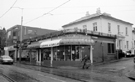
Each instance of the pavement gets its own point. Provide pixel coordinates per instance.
(113, 71)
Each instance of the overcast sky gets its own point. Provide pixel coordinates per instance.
(68, 12)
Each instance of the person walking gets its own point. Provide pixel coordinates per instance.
(84, 60)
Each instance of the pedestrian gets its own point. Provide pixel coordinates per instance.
(84, 60)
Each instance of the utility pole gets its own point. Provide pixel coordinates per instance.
(21, 36)
(20, 46)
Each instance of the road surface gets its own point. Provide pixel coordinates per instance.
(18, 74)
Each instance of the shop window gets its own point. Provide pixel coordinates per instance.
(45, 54)
(66, 53)
(110, 47)
(59, 53)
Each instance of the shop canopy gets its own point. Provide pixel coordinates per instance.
(67, 41)
(34, 45)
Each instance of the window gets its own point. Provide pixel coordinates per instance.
(118, 27)
(84, 26)
(127, 44)
(109, 27)
(126, 31)
(134, 42)
(75, 29)
(14, 33)
(110, 47)
(30, 31)
(95, 26)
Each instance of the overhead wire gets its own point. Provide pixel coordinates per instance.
(47, 12)
(8, 9)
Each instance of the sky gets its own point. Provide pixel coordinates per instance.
(53, 14)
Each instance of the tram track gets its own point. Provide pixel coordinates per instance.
(15, 76)
(7, 78)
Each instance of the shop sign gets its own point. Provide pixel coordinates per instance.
(50, 45)
(9, 48)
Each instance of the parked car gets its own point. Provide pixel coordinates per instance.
(129, 54)
(6, 59)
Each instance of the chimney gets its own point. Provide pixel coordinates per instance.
(87, 13)
(98, 11)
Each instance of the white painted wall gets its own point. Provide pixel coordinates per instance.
(133, 43)
(89, 24)
(114, 30)
(102, 26)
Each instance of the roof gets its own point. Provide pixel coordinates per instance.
(93, 16)
(28, 27)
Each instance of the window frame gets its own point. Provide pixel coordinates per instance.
(84, 26)
(111, 48)
(95, 26)
(127, 43)
(118, 28)
(109, 27)
(126, 29)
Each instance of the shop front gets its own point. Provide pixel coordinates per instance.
(32, 54)
(65, 51)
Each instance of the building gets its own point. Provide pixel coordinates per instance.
(133, 41)
(14, 37)
(2, 40)
(68, 47)
(105, 23)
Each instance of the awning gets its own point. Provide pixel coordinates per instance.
(34, 45)
(67, 41)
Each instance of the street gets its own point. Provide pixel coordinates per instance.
(26, 75)
(109, 72)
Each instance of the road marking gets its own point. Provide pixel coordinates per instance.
(52, 78)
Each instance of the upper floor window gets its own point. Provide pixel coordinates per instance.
(14, 33)
(84, 26)
(134, 42)
(30, 31)
(126, 31)
(118, 28)
(109, 27)
(95, 26)
(127, 44)
(75, 28)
